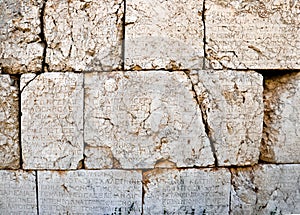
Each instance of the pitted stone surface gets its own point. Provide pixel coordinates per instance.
(266, 189)
(90, 192)
(142, 119)
(17, 192)
(232, 107)
(21, 48)
(164, 34)
(281, 136)
(52, 120)
(83, 35)
(9, 123)
(253, 34)
(192, 191)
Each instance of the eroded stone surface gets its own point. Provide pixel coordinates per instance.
(21, 48)
(163, 34)
(281, 136)
(52, 120)
(140, 119)
(90, 192)
(17, 192)
(232, 107)
(191, 191)
(9, 123)
(266, 189)
(253, 34)
(83, 35)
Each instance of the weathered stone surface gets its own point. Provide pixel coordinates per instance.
(266, 189)
(253, 34)
(83, 34)
(281, 136)
(52, 120)
(9, 123)
(17, 192)
(164, 34)
(142, 119)
(192, 191)
(21, 48)
(90, 192)
(232, 108)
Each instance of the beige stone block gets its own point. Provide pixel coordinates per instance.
(281, 136)
(232, 107)
(266, 189)
(17, 192)
(9, 123)
(191, 191)
(143, 119)
(164, 34)
(253, 34)
(83, 35)
(21, 48)
(90, 192)
(52, 120)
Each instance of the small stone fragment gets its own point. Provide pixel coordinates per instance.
(52, 120)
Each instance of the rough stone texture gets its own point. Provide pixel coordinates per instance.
(83, 35)
(21, 48)
(90, 192)
(164, 34)
(232, 108)
(253, 34)
(266, 189)
(142, 119)
(281, 136)
(17, 192)
(52, 120)
(191, 191)
(9, 123)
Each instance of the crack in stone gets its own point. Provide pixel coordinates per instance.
(204, 34)
(45, 66)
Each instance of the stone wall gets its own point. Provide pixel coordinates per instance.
(149, 107)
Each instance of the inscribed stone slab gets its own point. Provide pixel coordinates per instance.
(192, 191)
(52, 120)
(90, 192)
(142, 119)
(242, 34)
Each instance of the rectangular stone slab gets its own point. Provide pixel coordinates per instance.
(52, 120)
(90, 192)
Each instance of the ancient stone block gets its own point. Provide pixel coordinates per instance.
(21, 48)
(232, 107)
(9, 123)
(17, 192)
(52, 120)
(164, 34)
(192, 191)
(90, 192)
(253, 34)
(281, 136)
(142, 119)
(83, 35)
(266, 189)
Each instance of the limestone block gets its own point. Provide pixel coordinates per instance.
(266, 189)
(17, 192)
(232, 108)
(90, 192)
(281, 136)
(143, 119)
(164, 34)
(52, 120)
(21, 48)
(242, 34)
(83, 35)
(9, 123)
(191, 191)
